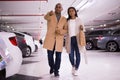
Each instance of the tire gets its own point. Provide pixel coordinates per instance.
(3, 74)
(36, 48)
(112, 46)
(27, 52)
(89, 45)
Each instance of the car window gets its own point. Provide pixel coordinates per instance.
(0, 58)
(101, 32)
(95, 33)
(108, 32)
(117, 32)
(19, 34)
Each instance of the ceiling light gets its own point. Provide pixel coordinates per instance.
(101, 25)
(117, 20)
(92, 28)
(82, 3)
(13, 29)
(104, 25)
(85, 4)
(8, 26)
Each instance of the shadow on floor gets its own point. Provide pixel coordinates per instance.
(29, 62)
(23, 77)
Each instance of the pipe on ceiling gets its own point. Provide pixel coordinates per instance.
(22, 15)
(24, 0)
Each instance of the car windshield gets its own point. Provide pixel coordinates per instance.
(99, 32)
(116, 32)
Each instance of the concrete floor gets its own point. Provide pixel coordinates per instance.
(101, 65)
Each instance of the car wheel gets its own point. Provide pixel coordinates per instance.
(89, 45)
(36, 48)
(112, 46)
(27, 52)
(2, 74)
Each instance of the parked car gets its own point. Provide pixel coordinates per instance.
(93, 36)
(29, 41)
(110, 42)
(16, 55)
(4, 58)
(37, 45)
(22, 45)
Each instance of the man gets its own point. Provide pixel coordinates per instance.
(56, 28)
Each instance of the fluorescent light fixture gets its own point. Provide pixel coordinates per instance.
(85, 4)
(82, 3)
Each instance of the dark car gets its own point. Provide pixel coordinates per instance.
(93, 36)
(110, 42)
(22, 45)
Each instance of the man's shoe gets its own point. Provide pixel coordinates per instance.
(51, 71)
(57, 75)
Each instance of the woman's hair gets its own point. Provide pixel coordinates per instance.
(69, 17)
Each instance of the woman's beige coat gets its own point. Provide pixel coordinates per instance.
(52, 38)
(80, 35)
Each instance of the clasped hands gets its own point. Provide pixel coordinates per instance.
(58, 32)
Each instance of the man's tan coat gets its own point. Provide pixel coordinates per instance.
(52, 39)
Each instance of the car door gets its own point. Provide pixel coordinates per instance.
(117, 37)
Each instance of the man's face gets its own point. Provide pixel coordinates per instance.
(58, 8)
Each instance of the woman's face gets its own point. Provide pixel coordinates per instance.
(72, 12)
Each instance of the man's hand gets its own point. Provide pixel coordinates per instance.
(51, 13)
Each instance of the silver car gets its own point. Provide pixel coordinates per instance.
(110, 42)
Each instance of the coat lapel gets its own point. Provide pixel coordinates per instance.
(54, 18)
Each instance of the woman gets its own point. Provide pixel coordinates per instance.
(75, 39)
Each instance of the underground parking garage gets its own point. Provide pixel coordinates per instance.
(23, 31)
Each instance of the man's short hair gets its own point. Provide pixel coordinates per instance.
(58, 4)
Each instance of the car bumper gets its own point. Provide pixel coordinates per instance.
(14, 66)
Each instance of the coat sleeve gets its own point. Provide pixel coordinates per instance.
(47, 16)
(82, 38)
(82, 24)
(64, 30)
(82, 35)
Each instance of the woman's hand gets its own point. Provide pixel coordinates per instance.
(81, 27)
(57, 31)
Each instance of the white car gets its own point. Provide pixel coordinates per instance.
(29, 42)
(12, 49)
(37, 45)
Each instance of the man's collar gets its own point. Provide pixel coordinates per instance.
(57, 13)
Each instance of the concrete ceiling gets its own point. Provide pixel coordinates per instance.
(27, 15)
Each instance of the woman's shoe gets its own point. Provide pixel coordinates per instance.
(76, 73)
(73, 70)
